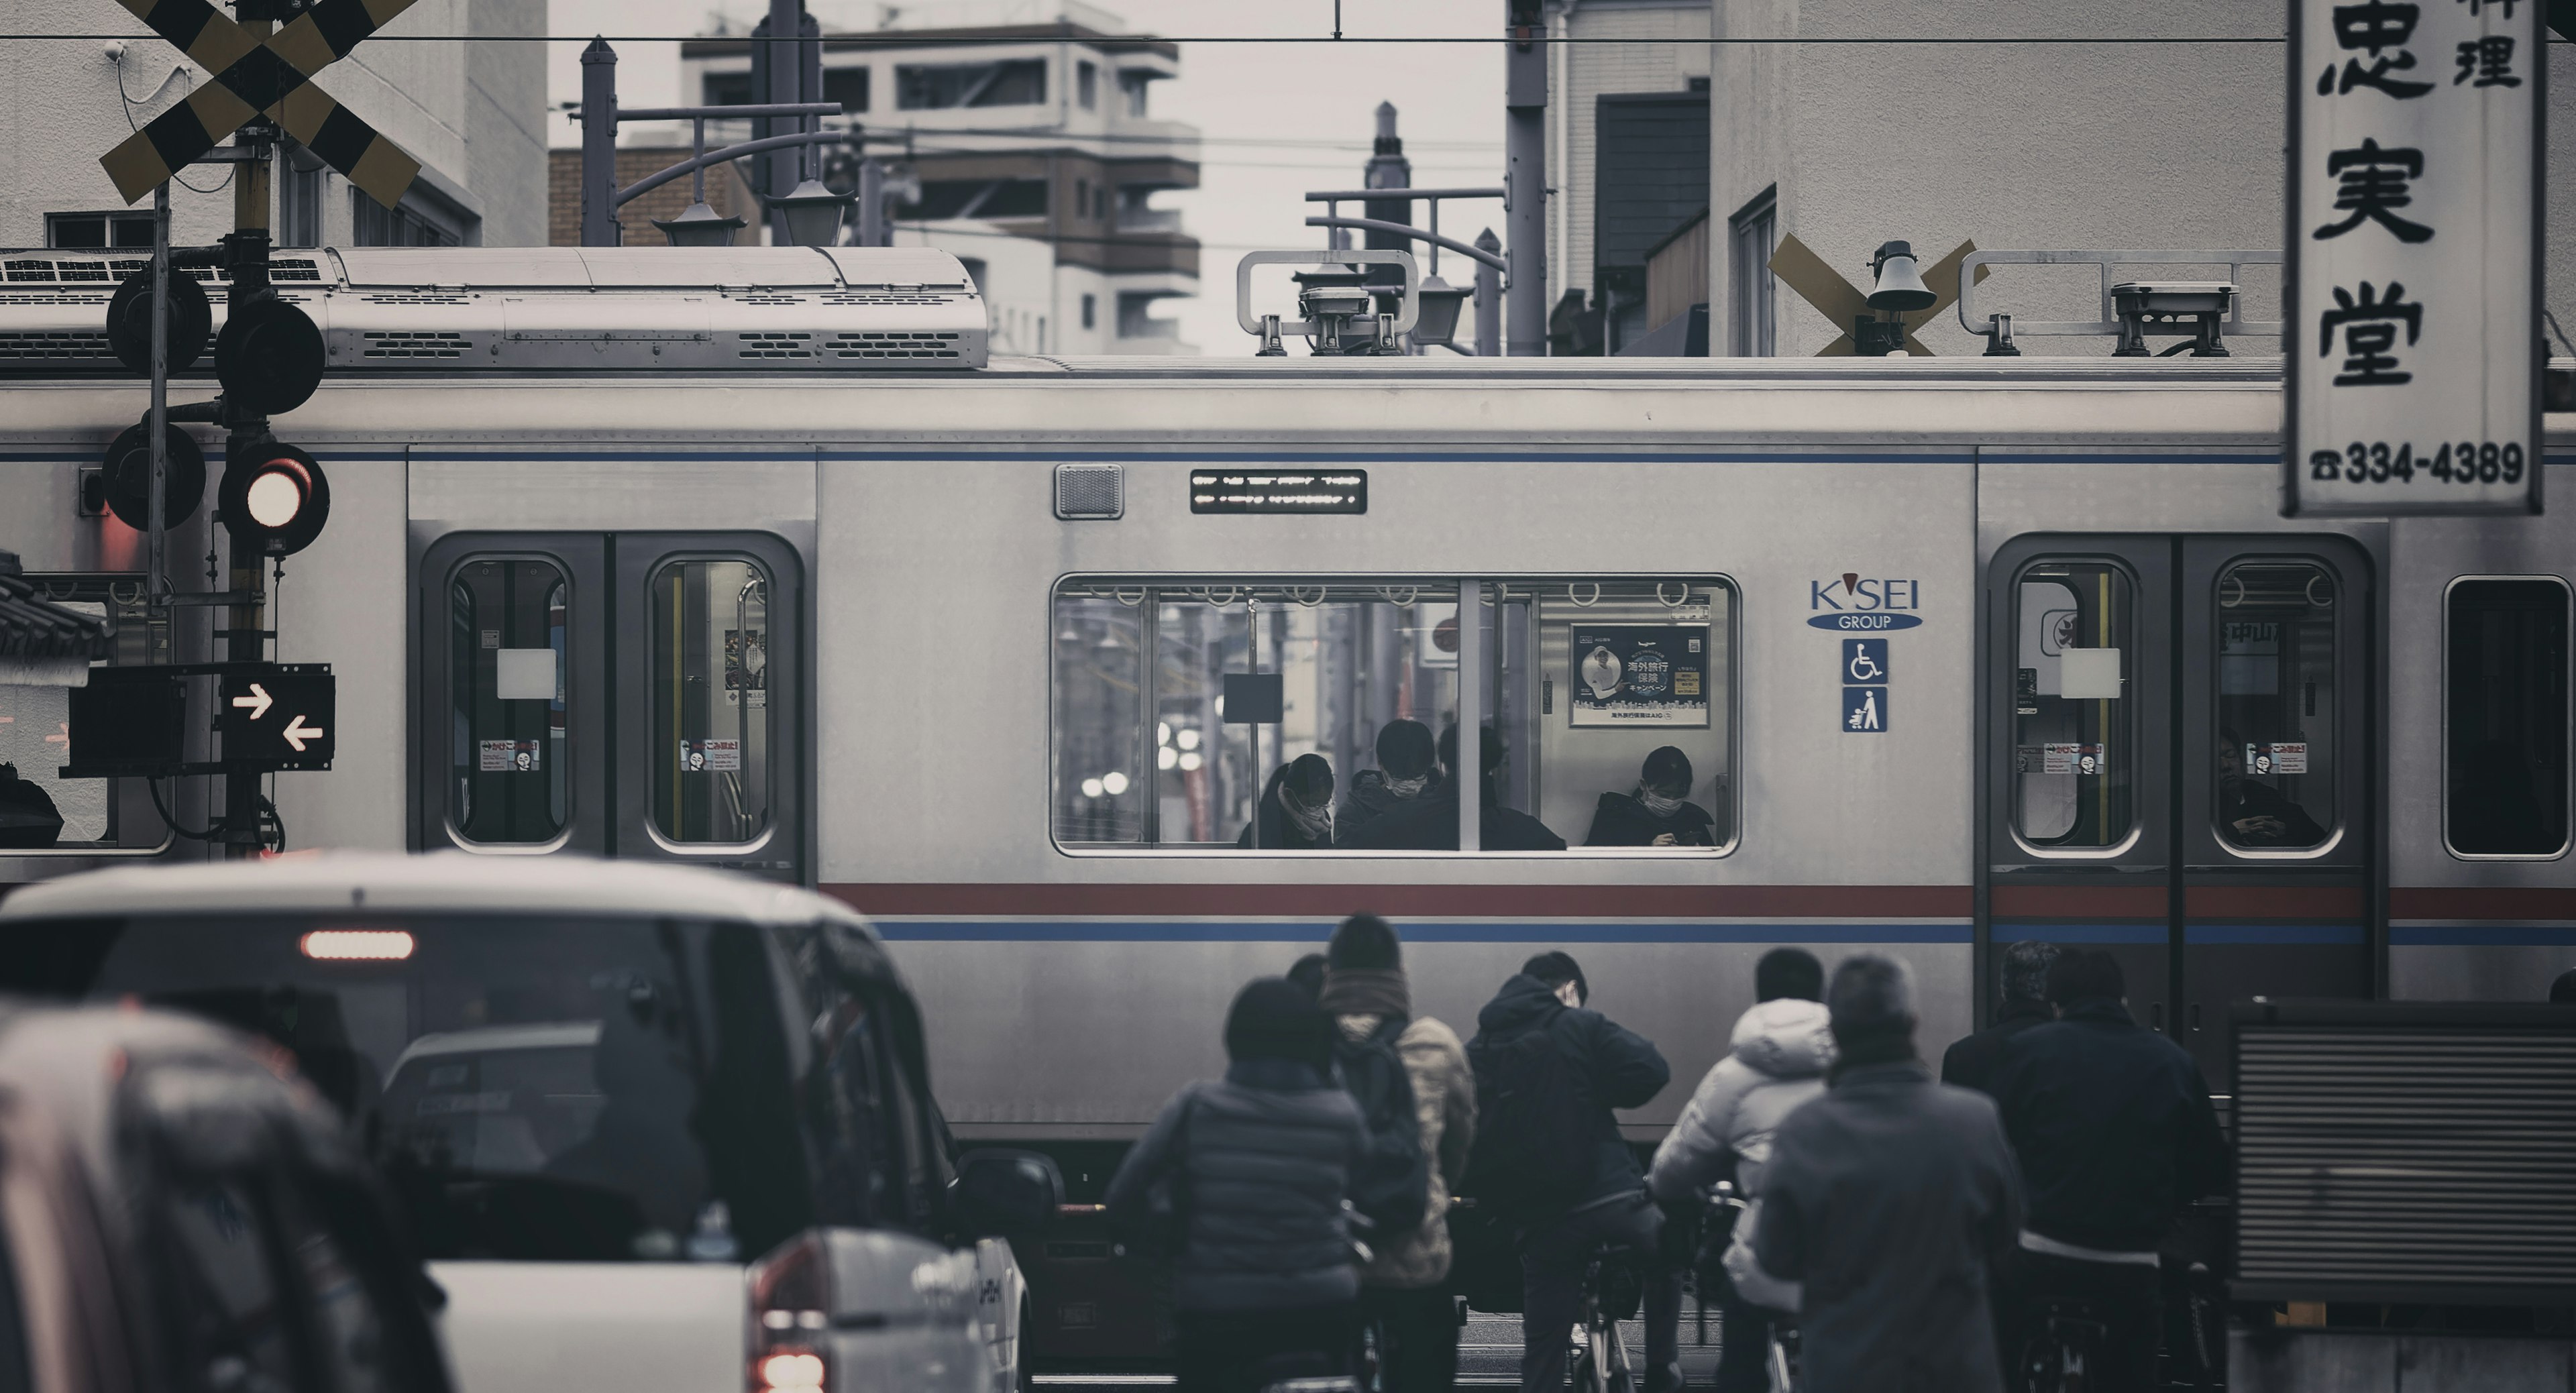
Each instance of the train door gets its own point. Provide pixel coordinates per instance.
(611, 694)
(2180, 746)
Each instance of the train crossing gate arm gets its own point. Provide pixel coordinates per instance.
(255, 76)
(1837, 299)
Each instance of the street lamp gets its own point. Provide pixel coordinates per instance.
(1440, 303)
(813, 213)
(698, 226)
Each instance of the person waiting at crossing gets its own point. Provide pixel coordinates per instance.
(1548, 1154)
(1775, 1063)
(2115, 1132)
(2023, 974)
(1243, 1181)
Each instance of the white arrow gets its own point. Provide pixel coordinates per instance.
(258, 701)
(297, 731)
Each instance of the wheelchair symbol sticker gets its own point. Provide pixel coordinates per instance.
(1865, 660)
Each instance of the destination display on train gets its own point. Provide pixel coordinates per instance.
(1278, 491)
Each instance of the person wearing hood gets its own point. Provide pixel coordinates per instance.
(1404, 1291)
(1775, 1063)
(1890, 1198)
(1430, 822)
(1658, 813)
(1407, 769)
(1254, 1170)
(1549, 1071)
(1296, 812)
(2114, 1128)
(2023, 974)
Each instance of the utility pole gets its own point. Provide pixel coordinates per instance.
(785, 71)
(246, 265)
(599, 145)
(1387, 169)
(1525, 173)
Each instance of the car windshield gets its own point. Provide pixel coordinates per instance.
(554, 1089)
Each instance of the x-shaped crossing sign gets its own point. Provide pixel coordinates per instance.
(255, 76)
(1820, 285)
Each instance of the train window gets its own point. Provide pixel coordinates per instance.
(40, 810)
(2074, 730)
(1608, 706)
(2274, 742)
(506, 624)
(710, 669)
(2505, 717)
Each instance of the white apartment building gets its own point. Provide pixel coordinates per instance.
(471, 112)
(1579, 75)
(1037, 153)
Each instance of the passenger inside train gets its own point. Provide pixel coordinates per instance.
(1431, 824)
(1407, 769)
(1296, 809)
(1658, 813)
(2254, 812)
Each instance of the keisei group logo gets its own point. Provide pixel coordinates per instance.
(1859, 604)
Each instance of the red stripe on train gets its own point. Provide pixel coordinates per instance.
(1422, 901)
(2482, 902)
(2079, 902)
(2343, 902)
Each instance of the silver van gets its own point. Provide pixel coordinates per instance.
(656, 1128)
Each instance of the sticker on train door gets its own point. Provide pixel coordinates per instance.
(2070, 758)
(1864, 710)
(506, 756)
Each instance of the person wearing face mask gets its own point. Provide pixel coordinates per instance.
(1659, 813)
(1407, 770)
(1296, 811)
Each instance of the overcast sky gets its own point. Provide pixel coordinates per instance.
(1278, 119)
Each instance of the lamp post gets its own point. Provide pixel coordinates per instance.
(698, 225)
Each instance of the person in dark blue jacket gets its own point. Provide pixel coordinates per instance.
(2022, 1004)
(2115, 1133)
(1607, 1202)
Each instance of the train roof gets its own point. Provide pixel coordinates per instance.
(438, 883)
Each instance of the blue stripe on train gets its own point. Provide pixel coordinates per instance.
(2482, 936)
(1316, 931)
(2215, 935)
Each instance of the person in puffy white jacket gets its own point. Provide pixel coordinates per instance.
(1775, 1062)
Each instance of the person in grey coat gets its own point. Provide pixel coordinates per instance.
(1890, 1197)
(1252, 1170)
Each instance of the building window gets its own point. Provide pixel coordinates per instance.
(1589, 690)
(73, 230)
(1013, 82)
(372, 224)
(848, 86)
(1090, 310)
(2505, 716)
(1134, 85)
(1086, 83)
(1082, 198)
(979, 198)
(1750, 235)
(729, 89)
(299, 201)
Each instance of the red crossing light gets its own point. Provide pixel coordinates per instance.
(274, 497)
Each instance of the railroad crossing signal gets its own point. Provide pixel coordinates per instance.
(1837, 299)
(255, 76)
(278, 714)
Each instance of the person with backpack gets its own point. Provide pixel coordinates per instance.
(1775, 1063)
(1409, 1075)
(1549, 1154)
(1244, 1181)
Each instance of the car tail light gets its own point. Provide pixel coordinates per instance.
(791, 1296)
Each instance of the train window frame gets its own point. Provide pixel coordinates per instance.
(131, 650)
(2132, 657)
(771, 773)
(2336, 831)
(571, 755)
(1729, 697)
(2567, 839)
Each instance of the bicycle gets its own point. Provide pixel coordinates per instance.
(1601, 1359)
(1729, 1204)
(2064, 1347)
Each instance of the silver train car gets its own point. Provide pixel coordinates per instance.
(1959, 652)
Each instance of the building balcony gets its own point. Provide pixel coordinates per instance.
(1149, 220)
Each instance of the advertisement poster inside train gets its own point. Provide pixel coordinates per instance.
(1640, 675)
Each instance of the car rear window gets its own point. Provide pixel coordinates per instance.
(548, 1088)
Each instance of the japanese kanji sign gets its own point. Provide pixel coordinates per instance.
(254, 76)
(2414, 257)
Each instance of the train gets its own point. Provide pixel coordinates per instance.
(760, 559)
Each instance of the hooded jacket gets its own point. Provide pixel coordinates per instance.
(1620, 1067)
(1621, 819)
(1370, 797)
(1775, 1063)
(1258, 1164)
(1430, 823)
(1970, 1062)
(2113, 1126)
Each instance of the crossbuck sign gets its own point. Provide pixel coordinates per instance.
(2414, 241)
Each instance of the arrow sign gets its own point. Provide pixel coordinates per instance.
(301, 695)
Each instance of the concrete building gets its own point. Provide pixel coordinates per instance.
(1035, 127)
(1605, 58)
(471, 112)
(2014, 145)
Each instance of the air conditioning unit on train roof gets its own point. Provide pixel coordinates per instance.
(828, 310)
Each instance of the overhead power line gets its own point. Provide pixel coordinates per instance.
(1327, 40)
